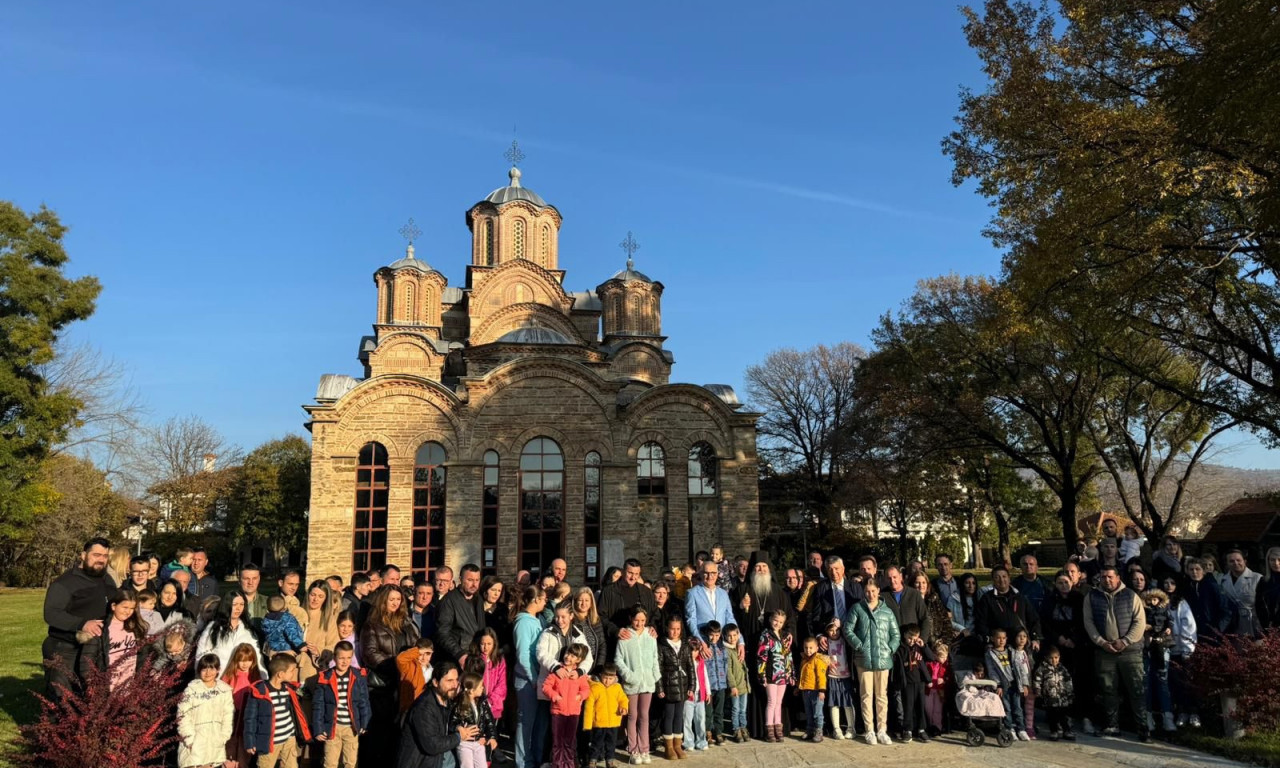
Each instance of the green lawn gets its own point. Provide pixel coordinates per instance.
(22, 630)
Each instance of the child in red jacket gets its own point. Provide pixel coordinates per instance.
(567, 692)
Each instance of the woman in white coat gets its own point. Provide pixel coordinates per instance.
(554, 639)
(206, 717)
(228, 629)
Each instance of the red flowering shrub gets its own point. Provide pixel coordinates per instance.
(128, 727)
(1246, 669)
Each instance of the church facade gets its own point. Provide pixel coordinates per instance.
(509, 422)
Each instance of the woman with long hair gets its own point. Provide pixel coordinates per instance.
(323, 606)
(228, 629)
(169, 602)
(386, 632)
(938, 611)
(1267, 598)
(532, 716)
(497, 616)
(587, 620)
(118, 564)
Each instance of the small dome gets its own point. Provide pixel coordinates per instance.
(630, 275)
(533, 335)
(514, 191)
(410, 262)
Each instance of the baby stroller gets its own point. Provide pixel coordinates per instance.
(980, 706)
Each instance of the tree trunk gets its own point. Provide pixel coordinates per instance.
(1067, 516)
(975, 538)
(1004, 550)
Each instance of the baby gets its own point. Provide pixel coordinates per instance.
(1131, 544)
(977, 696)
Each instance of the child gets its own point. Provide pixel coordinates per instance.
(738, 689)
(567, 695)
(936, 689)
(206, 717)
(1023, 661)
(182, 560)
(637, 664)
(340, 711)
(717, 681)
(1131, 544)
(347, 631)
(241, 673)
(484, 659)
(813, 688)
(1009, 687)
(414, 666)
(675, 662)
(282, 631)
(976, 699)
(1158, 636)
(1055, 691)
(147, 611)
(472, 708)
(1182, 643)
(267, 735)
(776, 670)
(123, 632)
(839, 682)
(695, 709)
(913, 657)
(604, 712)
(726, 578)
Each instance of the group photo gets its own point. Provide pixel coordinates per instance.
(852, 386)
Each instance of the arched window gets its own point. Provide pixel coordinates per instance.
(544, 250)
(616, 305)
(429, 482)
(517, 239)
(488, 242)
(541, 504)
(634, 323)
(409, 312)
(369, 548)
(489, 523)
(704, 504)
(591, 515)
(651, 470)
(390, 309)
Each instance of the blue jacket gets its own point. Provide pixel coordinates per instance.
(526, 631)
(283, 632)
(324, 708)
(717, 667)
(697, 609)
(260, 717)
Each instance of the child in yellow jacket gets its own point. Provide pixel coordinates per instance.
(604, 712)
(813, 687)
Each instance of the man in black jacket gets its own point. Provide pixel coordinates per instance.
(1003, 608)
(831, 599)
(619, 598)
(907, 604)
(426, 738)
(461, 615)
(75, 601)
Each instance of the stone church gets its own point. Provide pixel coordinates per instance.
(509, 421)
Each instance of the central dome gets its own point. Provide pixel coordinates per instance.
(533, 335)
(514, 191)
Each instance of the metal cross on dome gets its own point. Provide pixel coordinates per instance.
(410, 231)
(513, 154)
(630, 246)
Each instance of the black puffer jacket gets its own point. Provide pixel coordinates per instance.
(677, 669)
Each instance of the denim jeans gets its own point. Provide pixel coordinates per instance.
(738, 708)
(1156, 664)
(695, 724)
(1013, 712)
(814, 710)
(532, 724)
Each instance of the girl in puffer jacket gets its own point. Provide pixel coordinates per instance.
(206, 717)
(1181, 643)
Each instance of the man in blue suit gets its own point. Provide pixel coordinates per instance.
(707, 602)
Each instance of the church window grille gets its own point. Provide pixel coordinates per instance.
(490, 510)
(429, 504)
(408, 304)
(517, 239)
(541, 504)
(545, 250)
(591, 516)
(488, 242)
(369, 547)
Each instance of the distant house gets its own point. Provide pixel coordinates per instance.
(1248, 523)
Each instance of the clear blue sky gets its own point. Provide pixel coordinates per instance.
(235, 172)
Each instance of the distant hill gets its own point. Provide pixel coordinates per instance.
(1210, 489)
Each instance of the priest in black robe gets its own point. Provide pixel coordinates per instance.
(753, 601)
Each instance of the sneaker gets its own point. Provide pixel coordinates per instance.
(870, 738)
(1022, 736)
(648, 758)
(1194, 721)
(1068, 734)
(883, 738)
(817, 737)
(922, 737)
(635, 760)
(1111, 731)
(1087, 728)
(1054, 735)
(1168, 722)
(905, 738)
(1151, 722)
(1144, 736)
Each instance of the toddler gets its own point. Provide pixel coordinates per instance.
(739, 688)
(813, 688)
(935, 694)
(978, 696)
(567, 695)
(1053, 687)
(604, 712)
(913, 657)
(1131, 544)
(282, 631)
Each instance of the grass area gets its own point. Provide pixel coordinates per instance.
(1259, 748)
(22, 630)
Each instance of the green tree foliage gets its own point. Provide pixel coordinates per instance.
(1131, 153)
(37, 303)
(272, 496)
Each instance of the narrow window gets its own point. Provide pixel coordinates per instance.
(488, 242)
(489, 523)
(541, 504)
(517, 239)
(704, 502)
(651, 479)
(591, 516)
(369, 548)
(429, 497)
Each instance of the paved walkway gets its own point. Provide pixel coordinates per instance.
(951, 752)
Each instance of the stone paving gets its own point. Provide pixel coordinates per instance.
(951, 752)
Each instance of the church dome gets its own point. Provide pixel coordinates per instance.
(630, 275)
(514, 191)
(410, 262)
(533, 335)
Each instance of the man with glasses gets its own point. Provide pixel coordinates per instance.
(705, 603)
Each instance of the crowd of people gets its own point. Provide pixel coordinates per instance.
(389, 669)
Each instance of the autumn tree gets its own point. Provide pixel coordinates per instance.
(37, 303)
(1131, 152)
(188, 471)
(805, 397)
(271, 496)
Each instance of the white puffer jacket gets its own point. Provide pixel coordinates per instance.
(206, 718)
